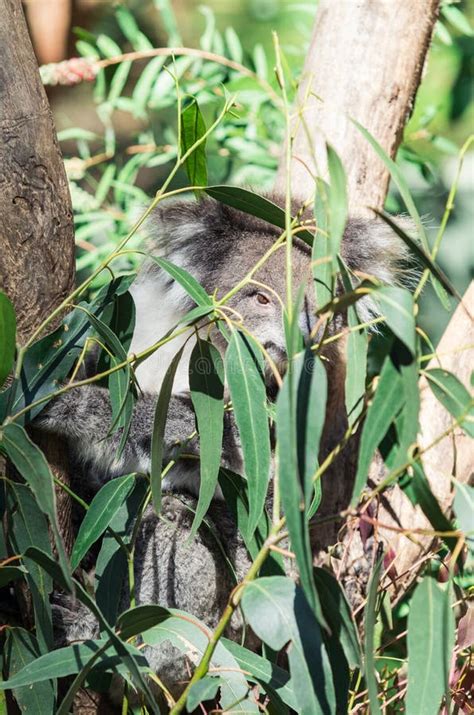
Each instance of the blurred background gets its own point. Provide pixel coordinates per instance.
(119, 133)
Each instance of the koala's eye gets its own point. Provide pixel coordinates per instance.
(262, 299)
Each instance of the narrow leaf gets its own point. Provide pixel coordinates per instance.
(430, 646)
(397, 306)
(386, 403)
(276, 609)
(245, 378)
(370, 614)
(453, 396)
(255, 205)
(158, 434)
(30, 461)
(21, 653)
(102, 510)
(186, 280)
(7, 337)
(193, 128)
(206, 382)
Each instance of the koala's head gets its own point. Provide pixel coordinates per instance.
(220, 245)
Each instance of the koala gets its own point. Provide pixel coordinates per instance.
(218, 245)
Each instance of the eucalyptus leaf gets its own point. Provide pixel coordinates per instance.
(452, 394)
(255, 205)
(370, 613)
(7, 336)
(206, 382)
(31, 463)
(21, 653)
(430, 646)
(158, 432)
(102, 510)
(300, 414)
(193, 129)
(381, 412)
(186, 280)
(276, 609)
(244, 373)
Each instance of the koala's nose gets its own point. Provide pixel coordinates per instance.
(307, 321)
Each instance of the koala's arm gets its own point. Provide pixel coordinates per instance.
(83, 416)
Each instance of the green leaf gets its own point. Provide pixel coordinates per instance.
(140, 619)
(464, 510)
(31, 463)
(107, 46)
(204, 689)
(63, 662)
(193, 129)
(144, 85)
(396, 304)
(399, 181)
(11, 573)
(206, 382)
(271, 677)
(244, 372)
(458, 19)
(235, 490)
(27, 526)
(419, 252)
(407, 422)
(430, 646)
(277, 611)
(337, 201)
(21, 653)
(158, 433)
(356, 363)
(7, 337)
(186, 280)
(370, 617)
(255, 205)
(381, 412)
(321, 259)
(453, 396)
(188, 634)
(338, 615)
(111, 565)
(234, 45)
(300, 414)
(418, 490)
(102, 510)
(130, 29)
(119, 81)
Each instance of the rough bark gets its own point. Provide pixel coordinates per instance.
(365, 61)
(36, 229)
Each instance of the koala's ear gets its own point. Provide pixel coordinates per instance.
(174, 227)
(371, 247)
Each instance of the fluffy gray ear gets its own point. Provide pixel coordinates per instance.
(372, 248)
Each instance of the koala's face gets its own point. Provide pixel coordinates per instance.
(260, 303)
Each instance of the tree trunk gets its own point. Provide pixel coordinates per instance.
(36, 232)
(365, 61)
(36, 229)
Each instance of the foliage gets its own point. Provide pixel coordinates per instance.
(312, 660)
